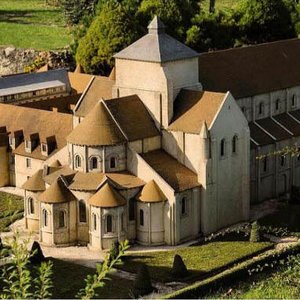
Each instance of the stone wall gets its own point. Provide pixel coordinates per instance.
(14, 60)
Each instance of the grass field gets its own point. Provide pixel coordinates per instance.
(32, 24)
(11, 209)
(222, 4)
(198, 259)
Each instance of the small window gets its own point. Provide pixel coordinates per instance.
(265, 164)
(122, 222)
(298, 154)
(277, 104)
(261, 108)
(113, 162)
(222, 147)
(30, 206)
(141, 217)
(243, 109)
(94, 222)
(294, 98)
(109, 224)
(61, 219)
(44, 147)
(45, 218)
(234, 144)
(282, 160)
(183, 206)
(77, 161)
(93, 163)
(82, 212)
(28, 163)
(131, 209)
(27, 144)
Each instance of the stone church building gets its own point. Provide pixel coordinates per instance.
(160, 152)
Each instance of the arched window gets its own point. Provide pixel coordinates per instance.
(183, 206)
(113, 162)
(109, 224)
(30, 206)
(77, 161)
(131, 209)
(282, 160)
(95, 222)
(141, 217)
(82, 211)
(45, 218)
(265, 164)
(294, 98)
(93, 163)
(277, 104)
(61, 219)
(234, 144)
(261, 108)
(222, 147)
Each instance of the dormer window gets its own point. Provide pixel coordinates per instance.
(44, 147)
(27, 144)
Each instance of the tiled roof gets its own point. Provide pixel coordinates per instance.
(251, 70)
(296, 114)
(79, 81)
(289, 123)
(274, 129)
(65, 171)
(100, 87)
(151, 192)
(156, 46)
(35, 183)
(97, 129)
(133, 117)
(193, 108)
(259, 136)
(178, 176)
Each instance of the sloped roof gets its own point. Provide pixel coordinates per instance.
(21, 83)
(35, 183)
(133, 117)
(107, 196)
(151, 193)
(79, 81)
(55, 164)
(57, 193)
(156, 46)
(97, 129)
(193, 108)
(65, 171)
(178, 176)
(100, 87)
(251, 70)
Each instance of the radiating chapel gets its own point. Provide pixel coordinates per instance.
(156, 160)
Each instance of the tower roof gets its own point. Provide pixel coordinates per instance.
(97, 129)
(151, 192)
(35, 183)
(156, 46)
(107, 196)
(57, 193)
(55, 164)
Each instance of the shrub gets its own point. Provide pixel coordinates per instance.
(1, 244)
(255, 233)
(142, 284)
(36, 254)
(179, 269)
(114, 251)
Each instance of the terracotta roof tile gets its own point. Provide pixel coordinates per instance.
(193, 108)
(151, 193)
(133, 117)
(251, 70)
(178, 176)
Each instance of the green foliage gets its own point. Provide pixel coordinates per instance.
(114, 251)
(255, 233)
(264, 21)
(142, 284)
(179, 269)
(112, 30)
(98, 280)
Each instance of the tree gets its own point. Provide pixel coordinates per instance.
(179, 269)
(142, 284)
(113, 29)
(264, 21)
(255, 233)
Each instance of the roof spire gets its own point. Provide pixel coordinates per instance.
(156, 26)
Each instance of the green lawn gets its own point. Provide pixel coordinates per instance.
(32, 24)
(68, 279)
(222, 4)
(11, 209)
(198, 259)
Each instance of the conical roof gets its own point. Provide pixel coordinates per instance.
(151, 192)
(97, 129)
(35, 183)
(156, 46)
(55, 164)
(57, 193)
(107, 196)
(112, 75)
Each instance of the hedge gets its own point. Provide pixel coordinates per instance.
(238, 272)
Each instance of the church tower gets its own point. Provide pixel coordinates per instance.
(155, 68)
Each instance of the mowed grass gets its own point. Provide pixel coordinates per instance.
(68, 279)
(199, 259)
(11, 209)
(32, 24)
(222, 4)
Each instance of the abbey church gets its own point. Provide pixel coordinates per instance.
(160, 152)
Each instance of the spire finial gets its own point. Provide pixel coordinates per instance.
(156, 26)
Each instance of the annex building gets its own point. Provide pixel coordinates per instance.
(161, 151)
